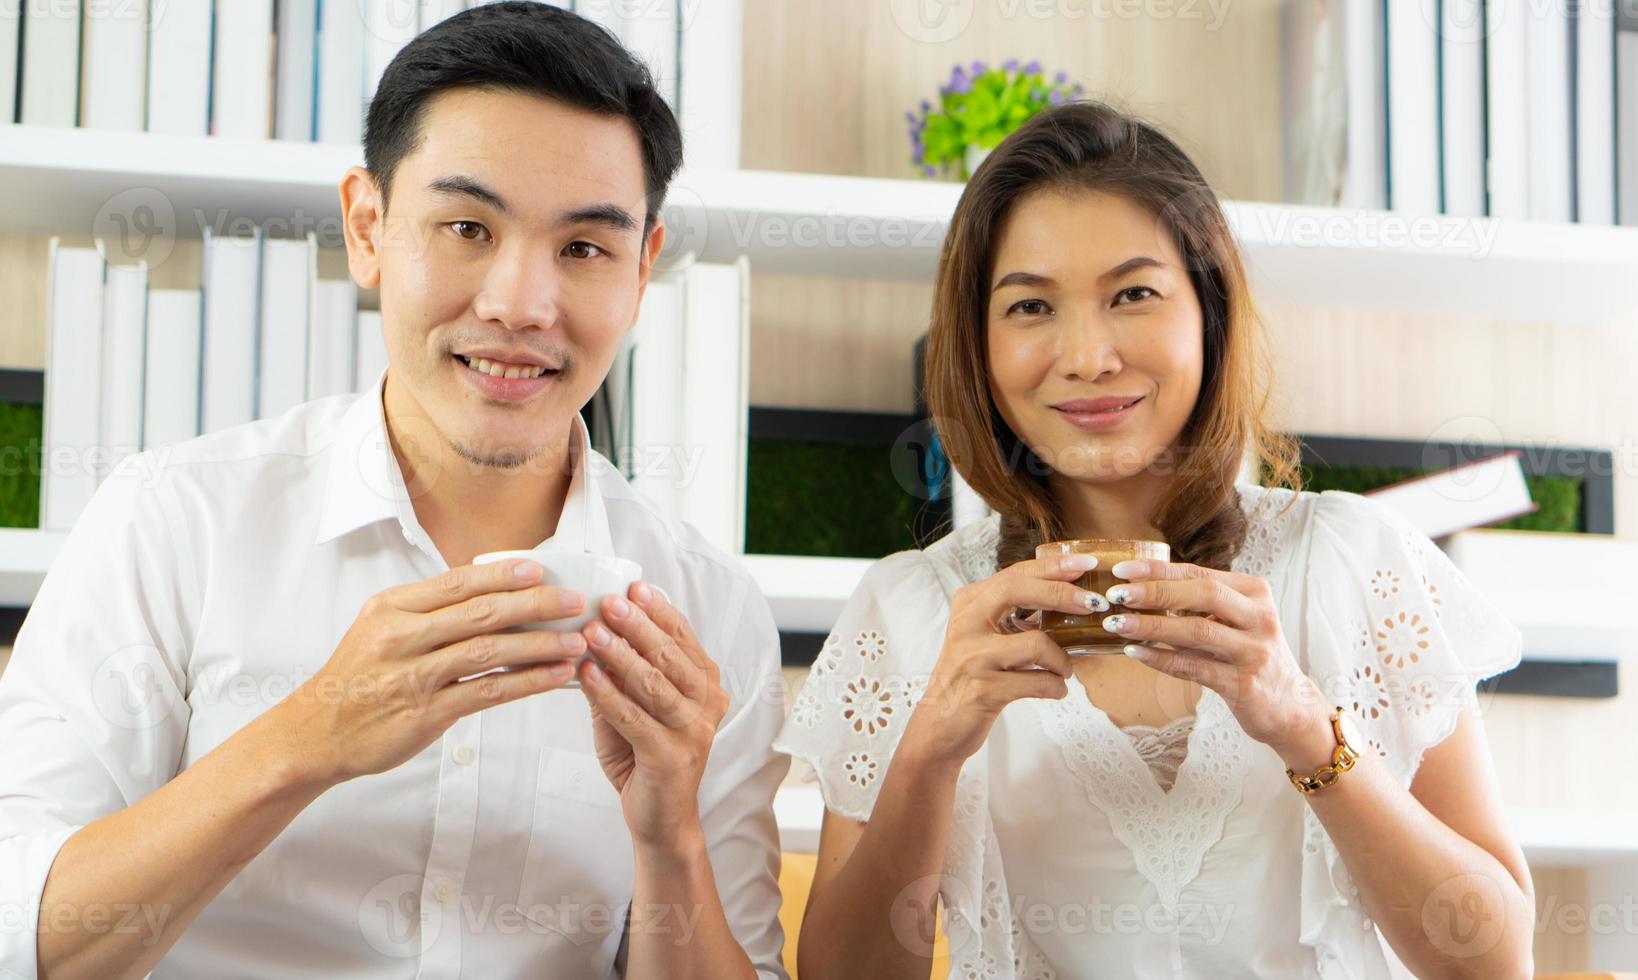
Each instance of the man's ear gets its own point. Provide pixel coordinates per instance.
(651, 254)
(362, 220)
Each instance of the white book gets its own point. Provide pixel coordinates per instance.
(72, 405)
(1470, 495)
(388, 26)
(232, 303)
(1461, 95)
(340, 72)
(1367, 183)
(1595, 125)
(242, 80)
(50, 93)
(11, 20)
(1413, 110)
(114, 82)
(170, 411)
(716, 339)
(179, 69)
(710, 82)
(289, 267)
(370, 353)
(1626, 72)
(124, 336)
(332, 339)
(1507, 109)
(293, 87)
(1550, 166)
(435, 12)
(659, 461)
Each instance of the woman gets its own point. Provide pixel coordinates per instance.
(1139, 816)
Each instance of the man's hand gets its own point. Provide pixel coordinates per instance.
(394, 683)
(656, 702)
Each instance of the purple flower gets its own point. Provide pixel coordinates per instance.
(1011, 64)
(926, 106)
(961, 85)
(1057, 97)
(979, 68)
(911, 117)
(1060, 78)
(930, 171)
(1033, 68)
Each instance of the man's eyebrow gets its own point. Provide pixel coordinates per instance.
(460, 185)
(606, 214)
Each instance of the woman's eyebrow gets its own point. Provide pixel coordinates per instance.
(1038, 280)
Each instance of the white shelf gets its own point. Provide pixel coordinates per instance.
(805, 593)
(61, 180)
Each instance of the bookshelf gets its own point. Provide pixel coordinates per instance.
(859, 227)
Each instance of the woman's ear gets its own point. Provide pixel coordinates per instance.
(362, 215)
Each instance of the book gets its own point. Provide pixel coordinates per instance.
(1551, 106)
(1595, 124)
(388, 26)
(1413, 110)
(332, 339)
(232, 305)
(1461, 107)
(288, 271)
(179, 56)
(170, 412)
(72, 403)
(340, 73)
(123, 371)
(370, 352)
(1626, 150)
(435, 12)
(293, 85)
(50, 81)
(1507, 110)
(709, 84)
(1333, 105)
(242, 77)
(657, 464)
(11, 23)
(115, 66)
(1474, 494)
(716, 416)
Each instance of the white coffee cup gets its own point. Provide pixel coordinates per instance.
(593, 576)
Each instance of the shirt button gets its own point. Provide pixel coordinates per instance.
(462, 755)
(444, 892)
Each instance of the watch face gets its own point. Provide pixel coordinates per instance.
(1351, 732)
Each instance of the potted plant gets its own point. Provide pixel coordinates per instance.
(976, 110)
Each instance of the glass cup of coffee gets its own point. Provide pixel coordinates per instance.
(1083, 633)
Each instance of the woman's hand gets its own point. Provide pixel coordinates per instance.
(985, 665)
(1235, 647)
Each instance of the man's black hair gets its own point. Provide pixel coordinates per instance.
(526, 47)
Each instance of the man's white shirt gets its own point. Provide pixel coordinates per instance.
(206, 581)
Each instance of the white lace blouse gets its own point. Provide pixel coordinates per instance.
(1067, 858)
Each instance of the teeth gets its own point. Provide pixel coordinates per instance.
(498, 369)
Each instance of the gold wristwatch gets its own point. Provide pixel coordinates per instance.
(1342, 758)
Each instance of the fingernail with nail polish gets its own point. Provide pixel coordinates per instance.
(1094, 602)
(1078, 563)
(1121, 594)
(1117, 624)
(1129, 568)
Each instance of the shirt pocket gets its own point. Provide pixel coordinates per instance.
(577, 876)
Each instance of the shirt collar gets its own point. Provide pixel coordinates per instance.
(364, 483)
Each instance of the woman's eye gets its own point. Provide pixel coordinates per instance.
(1134, 294)
(582, 250)
(1029, 307)
(469, 230)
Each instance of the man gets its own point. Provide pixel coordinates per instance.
(252, 725)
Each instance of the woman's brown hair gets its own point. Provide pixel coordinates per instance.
(1092, 146)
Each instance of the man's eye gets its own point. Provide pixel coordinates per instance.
(1134, 294)
(1029, 307)
(469, 230)
(582, 250)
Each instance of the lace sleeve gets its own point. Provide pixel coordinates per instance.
(1406, 637)
(873, 668)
